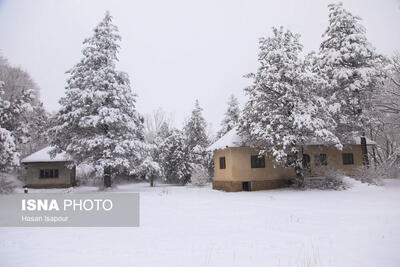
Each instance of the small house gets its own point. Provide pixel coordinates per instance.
(43, 171)
(238, 167)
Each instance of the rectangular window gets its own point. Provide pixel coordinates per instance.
(320, 160)
(48, 173)
(222, 163)
(348, 158)
(257, 162)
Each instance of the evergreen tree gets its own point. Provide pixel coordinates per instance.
(231, 118)
(9, 156)
(98, 123)
(164, 131)
(15, 124)
(15, 116)
(196, 136)
(350, 67)
(282, 112)
(195, 129)
(176, 158)
(24, 114)
(150, 169)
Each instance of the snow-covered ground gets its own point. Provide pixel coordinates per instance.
(186, 226)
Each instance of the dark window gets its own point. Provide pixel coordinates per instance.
(257, 162)
(290, 160)
(348, 158)
(222, 163)
(246, 186)
(48, 173)
(321, 160)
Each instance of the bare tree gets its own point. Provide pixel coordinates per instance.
(385, 128)
(154, 122)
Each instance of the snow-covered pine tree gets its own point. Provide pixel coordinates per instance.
(176, 158)
(25, 116)
(9, 156)
(352, 70)
(15, 116)
(150, 169)
(196, 136)
(283, 112)
(195, 128)
(98, 123)
(231, 117)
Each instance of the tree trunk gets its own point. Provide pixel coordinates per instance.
(299, 181)
(374, 157)
(152, 181)
(107, 177)
(364, 150)
(387, 149)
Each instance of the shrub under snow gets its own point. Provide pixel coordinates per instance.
(331, 180)
(372, 175)
(86, 175)
(8, 183)
(200, 175)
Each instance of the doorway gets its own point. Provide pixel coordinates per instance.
(306, 165)
(246, 186)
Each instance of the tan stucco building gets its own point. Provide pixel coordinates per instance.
(239, 168)
(42, 171)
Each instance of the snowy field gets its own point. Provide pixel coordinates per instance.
(186, 226)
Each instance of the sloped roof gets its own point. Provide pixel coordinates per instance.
(44, 156)
(232, 139)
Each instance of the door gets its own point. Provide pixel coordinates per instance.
(246, 186)
(306, 165)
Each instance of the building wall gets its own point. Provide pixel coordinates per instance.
(242, 171)
(238, 167)
(334, 159)
(223, 174)
(66, 177)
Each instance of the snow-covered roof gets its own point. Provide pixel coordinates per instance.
(44, 156)
(356, 140)
(232, 139)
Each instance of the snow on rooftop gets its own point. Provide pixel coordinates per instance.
(230, 139)
(44, 156)
(357, 141)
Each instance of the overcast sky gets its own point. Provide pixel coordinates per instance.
(174, 50)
